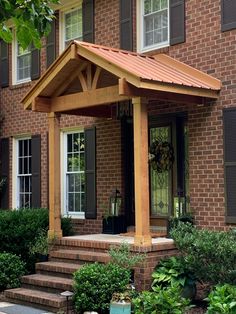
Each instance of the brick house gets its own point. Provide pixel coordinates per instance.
(188, 102)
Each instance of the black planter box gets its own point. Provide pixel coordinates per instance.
(114, 225)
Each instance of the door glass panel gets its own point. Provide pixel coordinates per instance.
(160, 182)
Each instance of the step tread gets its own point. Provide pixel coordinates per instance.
(81, 255)
(36, 296)
(80, 252)
(46, 280)
(58, 266)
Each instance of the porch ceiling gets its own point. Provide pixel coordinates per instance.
(87, 75)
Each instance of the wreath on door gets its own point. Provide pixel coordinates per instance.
(161, 156)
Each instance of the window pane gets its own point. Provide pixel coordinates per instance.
(156, 5)
(75, 171)
(73, 25)
(156, 23)
(147, 6)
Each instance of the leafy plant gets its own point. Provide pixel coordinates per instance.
(161, 300)
(222, 300)
(95, 283)
(209, 255)
(42, 244)
(174, 272)
(31, 19)
(122, 256)
(11, 269)
(19, 229)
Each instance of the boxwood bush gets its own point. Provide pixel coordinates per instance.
(11, 269)
(209, 255)
(95, 283)
(19, 229)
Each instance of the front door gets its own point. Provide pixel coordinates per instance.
(169, 188)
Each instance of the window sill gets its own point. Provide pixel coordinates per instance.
(153, 48)
(21, 85)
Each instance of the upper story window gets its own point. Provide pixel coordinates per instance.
(160, 23)
(155, 23)
(71, 26)
(23, 64)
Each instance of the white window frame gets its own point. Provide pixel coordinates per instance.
(15, 171)
(15, 81)
(140, 30)
(72, 6)
(64, 201)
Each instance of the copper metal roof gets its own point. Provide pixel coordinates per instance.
(158, 73)
(160, 68)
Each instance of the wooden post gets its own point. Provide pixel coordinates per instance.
(141, 173)
(54, 177)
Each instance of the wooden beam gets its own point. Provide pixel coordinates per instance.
(126, 89)
(83, 81)
(41, 104)
(69, 79)
(54, 177)
(96, 77)
(87, 99)
(141, 173)
(69, 54)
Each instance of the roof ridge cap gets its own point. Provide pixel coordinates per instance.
(86, 44)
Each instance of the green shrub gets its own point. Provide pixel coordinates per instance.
(222, 300)
(11, 269)
(19, 229)
(161, 300)
(210, 255)
(95, 283)
(121, 255)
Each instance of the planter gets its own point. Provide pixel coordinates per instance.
(42, 257)
(114, 225)
(120, 308)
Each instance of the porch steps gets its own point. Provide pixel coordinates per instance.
(47, 301)
(43, 289)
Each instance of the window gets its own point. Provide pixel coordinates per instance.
(74, 173)
(71, 26)
(23, 64)
(155, 23)
(24, 173)
(160, 23)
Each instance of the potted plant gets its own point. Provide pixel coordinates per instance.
(120, 303)
(42, 246)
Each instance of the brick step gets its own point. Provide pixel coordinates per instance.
(79, 256)
(59, 269)
(43, 300)
(46, 283)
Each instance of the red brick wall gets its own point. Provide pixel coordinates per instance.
(207, 49)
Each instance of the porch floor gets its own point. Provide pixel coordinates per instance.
(114, 238)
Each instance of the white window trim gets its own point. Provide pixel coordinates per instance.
(140, 25)
(14, 63)
(15, 185)
(63, 150)
(71, 6)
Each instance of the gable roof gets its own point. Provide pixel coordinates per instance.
(159, 73)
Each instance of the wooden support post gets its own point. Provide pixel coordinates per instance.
(54, 177)
(141, 173)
